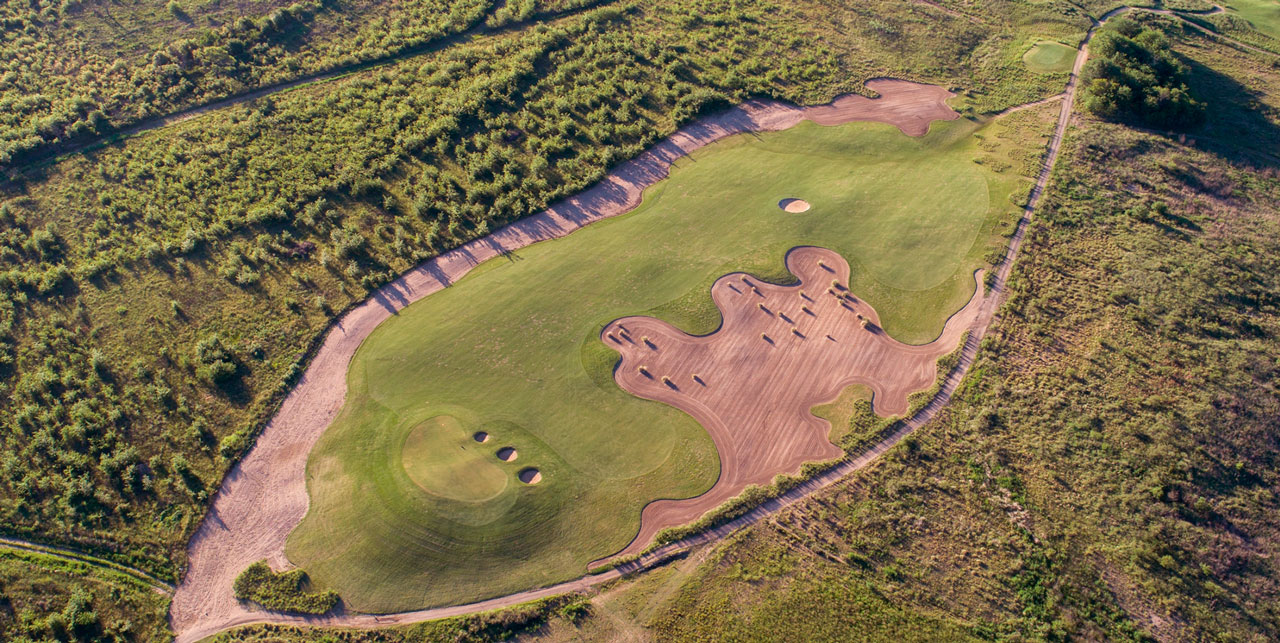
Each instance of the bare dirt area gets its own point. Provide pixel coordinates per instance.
(265, 495)
(781, 351)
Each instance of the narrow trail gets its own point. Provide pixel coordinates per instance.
(191, 627)
(71, 555)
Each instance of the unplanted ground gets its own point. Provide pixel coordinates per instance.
(513, 350)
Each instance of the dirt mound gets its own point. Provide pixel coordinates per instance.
(507, 454)
(530, 476)
(794, 206)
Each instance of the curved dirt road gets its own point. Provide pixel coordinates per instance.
(264, 496)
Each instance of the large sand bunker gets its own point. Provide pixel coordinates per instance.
(781, 351)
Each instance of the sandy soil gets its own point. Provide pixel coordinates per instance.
(265, 496)
(794, 206)
(781, 351)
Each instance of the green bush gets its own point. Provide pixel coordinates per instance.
(1134, 76)
(283, 591)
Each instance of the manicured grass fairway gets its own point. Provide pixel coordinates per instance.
(1047, 57)
(513, 349)
(1264, 15)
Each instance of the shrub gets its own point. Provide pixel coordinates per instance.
(283, 591)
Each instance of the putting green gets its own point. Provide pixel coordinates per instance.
(1264, 15)
(443, 459)
(513, 350)
(1049, 57)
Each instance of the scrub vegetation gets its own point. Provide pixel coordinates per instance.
(44, 598)
(282, 591)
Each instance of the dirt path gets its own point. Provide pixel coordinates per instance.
(264, 496)
(68, 554)
(780, 351)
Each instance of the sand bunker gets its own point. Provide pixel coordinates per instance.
(794, 206)
(530, 476)
(481, 437)
(781, 351)
(507, 454)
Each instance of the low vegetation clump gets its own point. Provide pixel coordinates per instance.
(486, 627)
(282, 591)
(1134, 75)
(44, 598)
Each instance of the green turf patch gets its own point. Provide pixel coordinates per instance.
(1264, 15)
(1049, 57)
(513, 350)
(443, 459)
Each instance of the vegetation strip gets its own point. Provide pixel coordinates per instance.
(56, 153)
(73, 555)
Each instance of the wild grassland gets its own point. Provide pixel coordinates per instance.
(514, 350)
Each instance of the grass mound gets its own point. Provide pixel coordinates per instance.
(513, 350)
(1049, 57)
(283, 592)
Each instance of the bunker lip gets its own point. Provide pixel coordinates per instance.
(264, 496)
(794, 206)
(780, 351)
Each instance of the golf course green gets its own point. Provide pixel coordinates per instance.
(409, 509)
(1264, 15)
(1049, 57)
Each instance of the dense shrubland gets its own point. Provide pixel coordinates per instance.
(1133, 75)
(70, 71)
(282, 591)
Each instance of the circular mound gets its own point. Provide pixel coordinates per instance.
(507, 454)
(530, 475)
(794, 206)
(480, 437)
(1049, 57)
(436, 458)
